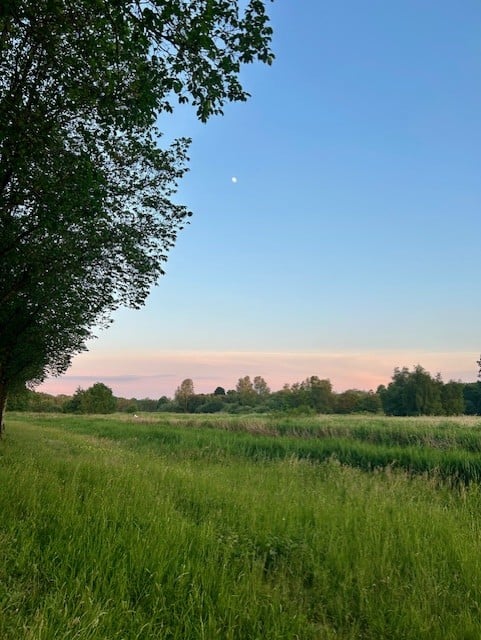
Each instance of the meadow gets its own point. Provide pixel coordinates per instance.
(193, 527)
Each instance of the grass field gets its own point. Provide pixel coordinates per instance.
(183, 527)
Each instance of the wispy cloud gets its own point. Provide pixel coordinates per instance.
(117, 378)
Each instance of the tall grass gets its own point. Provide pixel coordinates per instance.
(113, 529)
(448, 449)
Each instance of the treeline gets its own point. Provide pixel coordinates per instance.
(410, 393)
(312, 395)
(417, 393)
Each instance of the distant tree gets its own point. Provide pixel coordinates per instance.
(422, 394)
(74, 405)
(212, 405)
(347, 401)
(29, 400)
(299, 395)
(98, 399)
(412, 393)
(452, 398)
(312, 395)
(147, 404)
(219, 391)
(321, 396)
(260, 387)
(369, 402)
(231, 396)
(127, 405)
(245, 391)
(164, 404)
(472, 398)
(281, 400)
(392, 396)
(46, 402)
(184, 394)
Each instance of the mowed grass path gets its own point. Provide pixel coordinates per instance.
(113, 528)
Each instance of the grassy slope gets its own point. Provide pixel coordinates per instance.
(113, 528)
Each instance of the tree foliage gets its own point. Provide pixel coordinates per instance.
(245, 391)
(219, 391)
(472, 398)
(184, 394)
(357, 401)
(452, 398)
(260, 387)
(416, 393)
(96, 399)
(86, 210)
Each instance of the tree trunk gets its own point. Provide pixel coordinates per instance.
(3, 404)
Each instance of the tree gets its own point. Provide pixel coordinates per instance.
(281, 400)
(260, 387)
(472, 398)
(321, 396)
(412, 393)
(392, 396)
(74, 405)
(98, 399)
(219, 391)
(299, 396)
(127, 405)
(211, 405)
(422, 394)
(452, 398)
(86, 213)
(245, 391)
(369, 402)
(348, 401)
(164, 404)
(184, 394)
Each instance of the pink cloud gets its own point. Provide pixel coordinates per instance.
(153, 374)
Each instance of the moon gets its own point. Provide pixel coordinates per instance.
(234, 179)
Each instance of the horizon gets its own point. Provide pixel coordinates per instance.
(209, 370)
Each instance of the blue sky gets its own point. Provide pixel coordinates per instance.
(350, 242)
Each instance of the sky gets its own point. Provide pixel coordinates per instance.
(349, 243)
